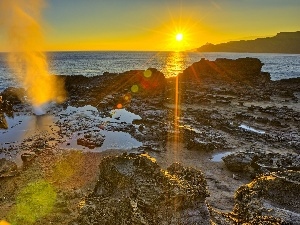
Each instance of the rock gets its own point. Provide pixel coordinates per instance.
(246, 70)
(149, 82)
(13, 95)
(133, 189)
(238, 162)
(91, 141)
(260, 162)
(8, 168)
(200, 145)
(3, 122)
(100, 90)
(28, 156)
(269, 199)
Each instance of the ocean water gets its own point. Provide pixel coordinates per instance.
(280, 66)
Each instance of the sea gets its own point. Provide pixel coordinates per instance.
(280, 66)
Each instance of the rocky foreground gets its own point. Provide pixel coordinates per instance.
(224, 107)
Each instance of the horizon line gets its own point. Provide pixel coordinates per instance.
(46, 51)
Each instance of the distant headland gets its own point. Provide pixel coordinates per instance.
(283, 42)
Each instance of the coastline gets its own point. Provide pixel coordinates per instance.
(213, 100)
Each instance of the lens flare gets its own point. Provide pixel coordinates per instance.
(134, 88)
(147, 73)
(3, 222)
(127, 97)
(35, 201)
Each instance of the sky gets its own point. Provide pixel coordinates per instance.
(153, 24)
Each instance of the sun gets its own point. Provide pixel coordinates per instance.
(179, 37)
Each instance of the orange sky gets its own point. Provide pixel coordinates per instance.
(153, 24)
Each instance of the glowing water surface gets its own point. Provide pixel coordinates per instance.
(22, 127)
(64, 127)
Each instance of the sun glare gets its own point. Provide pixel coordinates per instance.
(179, 37)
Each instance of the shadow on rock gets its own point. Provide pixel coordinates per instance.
(274, 197)
(133, 189)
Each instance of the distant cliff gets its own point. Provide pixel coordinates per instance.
(283, 42)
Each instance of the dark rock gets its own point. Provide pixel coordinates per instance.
(241, 70)
(13, 95)
(238, 162)
(8, 168)
(3, 122)
(200, 144)
(259, 162)
(270, 199)
(102, 91)
(28, 157)
(91, 141)
(133, 189)
(149, 82)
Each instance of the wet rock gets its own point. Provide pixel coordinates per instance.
(28, 157)
(91, 142)
(270, 199)
(259, 162)
(199, 144)
(133, 189)
(13, 95)
(238, 162)
(8, 168)
(3, 122)
(206, 140)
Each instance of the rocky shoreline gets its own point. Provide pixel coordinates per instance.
(224, 107)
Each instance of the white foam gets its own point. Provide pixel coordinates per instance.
(38, 110)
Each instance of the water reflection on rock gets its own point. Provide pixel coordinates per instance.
(86, 127)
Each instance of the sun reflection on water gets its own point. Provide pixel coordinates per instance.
(175, 63)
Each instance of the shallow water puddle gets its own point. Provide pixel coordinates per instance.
(122, 115)
(112, 140)
(25, 132)
(119, 140)
(25, 126)
(218, 157)
(87, 121)
(66, 127)
(248, 128)
(86, 110)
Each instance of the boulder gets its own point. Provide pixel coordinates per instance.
(269, 199)
(244, 70)
(133, 189)
(238, 162)
(8, 168)
(148, 82)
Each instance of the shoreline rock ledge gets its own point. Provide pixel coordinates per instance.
(241, 70)
(133, 189)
